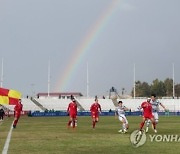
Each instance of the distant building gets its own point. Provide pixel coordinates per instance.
(65, 95)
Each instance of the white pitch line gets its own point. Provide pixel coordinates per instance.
(8, 139)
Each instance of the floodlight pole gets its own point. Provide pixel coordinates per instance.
(49, 77)
(173, 82)
(134, 80)
(87, 81)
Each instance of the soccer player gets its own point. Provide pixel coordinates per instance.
(120, 111)
(147, 114)
(95, 109)
(17, 113)
(72, 111)
(155, 109)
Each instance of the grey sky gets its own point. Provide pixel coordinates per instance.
(144, 32)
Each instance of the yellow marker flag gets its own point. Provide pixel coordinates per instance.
(9, 96)
(4, 100)
(14, 94)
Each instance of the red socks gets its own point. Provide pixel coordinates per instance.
(69, 122)
(94, 123)
(141, 125)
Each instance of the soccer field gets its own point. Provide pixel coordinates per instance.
(46, 135)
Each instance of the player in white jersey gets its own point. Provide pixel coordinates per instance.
(120, 112)
(155, 109)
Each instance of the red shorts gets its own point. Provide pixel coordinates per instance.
(148, 116)
(73, 115)
(94, 115)
(17, 116)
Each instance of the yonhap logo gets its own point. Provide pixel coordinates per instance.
(164, 138)
(138, 139)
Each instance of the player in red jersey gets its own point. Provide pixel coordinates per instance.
(17, 113)
(72, 111)
(147, 114)
(95, 109)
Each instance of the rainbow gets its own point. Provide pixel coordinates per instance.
(85, 45)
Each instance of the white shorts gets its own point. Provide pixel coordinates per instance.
(123, 117)
(156, 116)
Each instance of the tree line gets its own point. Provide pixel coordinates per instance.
(160, 88)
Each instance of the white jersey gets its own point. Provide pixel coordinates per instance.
(120, 110)
(121, 113)
(155, 105)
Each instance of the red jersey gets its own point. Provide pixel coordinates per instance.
(95, 108)
(147, 109)
(72, 108)
(18, 108)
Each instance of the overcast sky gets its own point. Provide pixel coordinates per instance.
(32, 32)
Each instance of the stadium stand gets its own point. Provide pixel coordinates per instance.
(9, 107)
(28, 105)
(170, 104)
(132, 104)
(106, 104)
(54, 103)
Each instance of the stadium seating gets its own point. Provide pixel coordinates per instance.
(54, 103)
(170, 104)
(9, 107)
(29, 105)
(132, 104)
(106, 104)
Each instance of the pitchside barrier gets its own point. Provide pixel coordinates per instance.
(86, 113)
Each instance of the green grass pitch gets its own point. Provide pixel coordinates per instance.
(49, 135)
